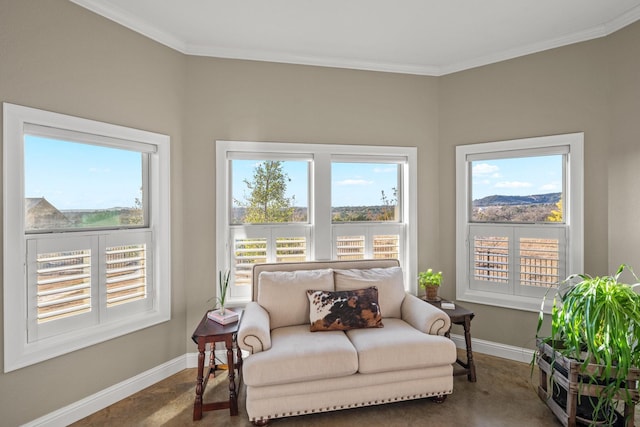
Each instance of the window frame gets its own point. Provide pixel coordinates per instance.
(319, 213)
(18, 350)
(572, 145)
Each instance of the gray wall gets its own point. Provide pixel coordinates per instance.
(57, 56)
(60, 57)
(259, 101)
(623, 159)
(554, 92)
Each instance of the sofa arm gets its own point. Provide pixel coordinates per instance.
(424, 316)
(254, 334)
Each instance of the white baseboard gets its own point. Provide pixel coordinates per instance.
(87, 406)
(519, 354)
(100, 400)
(192, 360)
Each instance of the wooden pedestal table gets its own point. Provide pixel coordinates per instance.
(210, 332)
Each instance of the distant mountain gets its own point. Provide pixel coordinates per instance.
(535, 199)
(338, 213)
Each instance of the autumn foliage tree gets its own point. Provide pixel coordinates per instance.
(556, 214)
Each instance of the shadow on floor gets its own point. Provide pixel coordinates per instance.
(504, 396)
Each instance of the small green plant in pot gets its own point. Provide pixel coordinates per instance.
(596, 321)
(223, 289)
(430, 281)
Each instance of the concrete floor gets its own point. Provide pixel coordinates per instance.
(504, 396)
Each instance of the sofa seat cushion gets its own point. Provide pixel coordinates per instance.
(389, 281)
(297, 354)
(399, 346)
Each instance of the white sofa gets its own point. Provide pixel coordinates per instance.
(293, 371)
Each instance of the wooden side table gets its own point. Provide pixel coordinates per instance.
(211, 332)
(461, 316)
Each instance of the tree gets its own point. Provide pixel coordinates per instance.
(388, 210)
(135, 214)
(556, 215)
(267, 201)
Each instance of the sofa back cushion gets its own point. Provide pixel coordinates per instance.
(389, 281)
(284, 294)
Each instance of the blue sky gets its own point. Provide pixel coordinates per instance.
(361, 184)
(352, 184)
(81, 176)
(517, 176)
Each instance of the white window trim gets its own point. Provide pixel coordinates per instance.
(18, 352)
(319, 213)
(572, 205)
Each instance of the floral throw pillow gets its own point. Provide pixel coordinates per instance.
(344, 310)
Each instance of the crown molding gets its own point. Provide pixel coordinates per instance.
(590, 34)
(520, 51)
(622, 21)
(593, 33)
(138, 25)
(320, 61)
(133, 23)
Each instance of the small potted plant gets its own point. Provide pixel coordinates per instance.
(221, 314)
(430, 281)
(223, 288)
(595, 324)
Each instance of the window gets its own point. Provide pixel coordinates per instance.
(269, 191)
(366, 224)
(300, 202)
(97, 186)
(378, 205)
(519, 219)
(87, 220)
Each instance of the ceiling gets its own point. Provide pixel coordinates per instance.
(427, 37)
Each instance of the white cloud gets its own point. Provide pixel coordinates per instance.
(385, 170)
(513, 184)
(354, 182)
(485, 169)
(549, 187)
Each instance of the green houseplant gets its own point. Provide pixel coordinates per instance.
(223, 288)
(596, 321)
(430, 281)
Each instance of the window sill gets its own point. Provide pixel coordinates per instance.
(513, 302)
